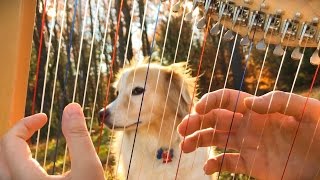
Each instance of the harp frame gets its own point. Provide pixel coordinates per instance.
(16, 22)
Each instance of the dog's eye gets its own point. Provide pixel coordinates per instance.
(117, 93)
(137, 91)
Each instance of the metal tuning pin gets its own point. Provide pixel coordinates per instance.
(188, 16)
(229, 35)
(278, 50)
(264, 6)
(248, 1)
(215, 30)
(261, 45)
(202, 23)
(176, 7)
(245, 41)
(315, 59)
(296, 54)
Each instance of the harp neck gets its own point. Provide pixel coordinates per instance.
(290, 23)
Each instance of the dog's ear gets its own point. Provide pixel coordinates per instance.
(181, 82)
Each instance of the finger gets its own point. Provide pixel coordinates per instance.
(229, 99)
(232, 162)
(208, 137)
(82, 152)
(26, 127)
(15, 140)
(218, 118)
(277, 101)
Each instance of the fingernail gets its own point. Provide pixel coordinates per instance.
(73, 110)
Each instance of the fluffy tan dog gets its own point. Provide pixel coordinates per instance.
(157, 150)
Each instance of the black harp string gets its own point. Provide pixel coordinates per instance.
(239, 91)
(255, 94)
(123, 66)
(130, 96)
(193, 96)
(145, 84)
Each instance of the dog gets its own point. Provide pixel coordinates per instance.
(154, 157)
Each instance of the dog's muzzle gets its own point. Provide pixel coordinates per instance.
(104, 115)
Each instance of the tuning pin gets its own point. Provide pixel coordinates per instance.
(315, 59)
(248, 1)
(264, 6)
(261, 45)
(278, 51)
(229, 35)
(215, 30)
(296, 54)
(245, 41)
(188, 16)
(201, 23)
(176, 7)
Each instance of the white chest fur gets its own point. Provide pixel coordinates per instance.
(146, 166)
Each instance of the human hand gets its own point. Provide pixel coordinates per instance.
(262, 156)
(17, 156)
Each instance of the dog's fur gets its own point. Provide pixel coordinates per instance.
(144, 164)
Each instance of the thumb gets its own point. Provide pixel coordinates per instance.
(82, 152)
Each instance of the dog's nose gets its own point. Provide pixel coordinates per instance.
(104, 114)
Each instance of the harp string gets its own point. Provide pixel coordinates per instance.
(102, 55)
(171, 74)
(209, 88)
(193, 96)
(271, 100)
(182, 86)
(234, 111)
(76, 77)
(134, 74)
(54, 84)
(129, 33)
(225, 84)
(180, 94)
(303, 111)
(114, 54)
(157, 82)
(255, 94)
(91, 50)
(39, 58)
(276, 82)
(68, 67)
(37, 76)
(315, 130)
(269, 105)
(238, 96)
(123, 66)
(145, 83)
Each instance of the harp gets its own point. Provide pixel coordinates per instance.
(258, 22)
(17, 33)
